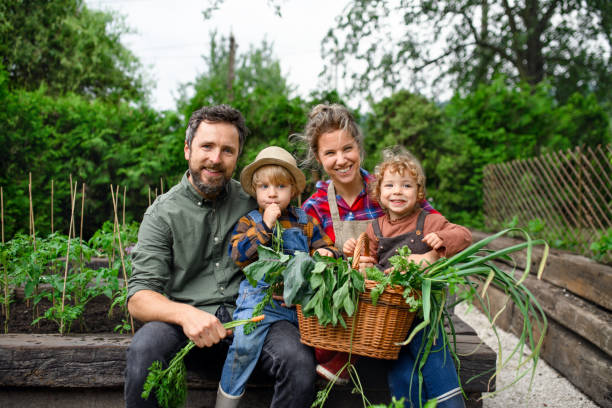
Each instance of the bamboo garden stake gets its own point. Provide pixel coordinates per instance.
(73, 196)
(32, 226)
(116, 222)
(51, 206)
(124, 191)
(6, 288)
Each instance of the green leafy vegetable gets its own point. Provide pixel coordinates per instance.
(171, 383)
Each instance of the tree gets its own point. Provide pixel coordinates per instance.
(468, 42)
(68, 48)
(258, 90)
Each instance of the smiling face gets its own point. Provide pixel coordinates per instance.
(338, 153)
(212, 157)
(398, 194)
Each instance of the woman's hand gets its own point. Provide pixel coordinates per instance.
(325, 252)
(366, 262)
(349, 247)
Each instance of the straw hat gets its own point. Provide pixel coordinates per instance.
(272, 155)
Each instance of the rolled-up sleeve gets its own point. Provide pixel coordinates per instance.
(151, 257)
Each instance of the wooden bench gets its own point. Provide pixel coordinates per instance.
(87, 371)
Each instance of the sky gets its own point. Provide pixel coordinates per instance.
(170, 37)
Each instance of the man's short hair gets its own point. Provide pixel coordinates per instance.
(217, 114)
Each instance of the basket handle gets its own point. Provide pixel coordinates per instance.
(361, 248)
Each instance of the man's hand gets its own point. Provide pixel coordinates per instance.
(202, 327)
(349, 247)
(271, 214)
(433, 240)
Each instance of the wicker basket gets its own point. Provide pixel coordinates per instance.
(377, 328)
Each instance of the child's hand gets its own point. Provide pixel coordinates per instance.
(433, 240)
(349, 247)
(271, 214)
(324, 252)
(425, 259)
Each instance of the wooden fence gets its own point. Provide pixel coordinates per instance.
(563, 197)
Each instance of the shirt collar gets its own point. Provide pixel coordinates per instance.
(195, 196)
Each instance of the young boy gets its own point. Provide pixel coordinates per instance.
(274, 180)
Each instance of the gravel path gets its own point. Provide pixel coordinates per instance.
(550, 388)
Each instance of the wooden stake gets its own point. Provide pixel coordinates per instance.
(161, 183)
(81, 231)
(72, 197)
(51, 206)
(149, 188)
(124, 190)
(32, 227)
(2, 211)
(82, 210)
(125, 279)
(67, 255)
(6, 288)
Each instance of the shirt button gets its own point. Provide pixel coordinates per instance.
(217, 264)
(200, 203)
(216, 239)
(221, 288)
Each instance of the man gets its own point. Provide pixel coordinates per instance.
(183, 283)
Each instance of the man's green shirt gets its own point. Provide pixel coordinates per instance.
(182, 249)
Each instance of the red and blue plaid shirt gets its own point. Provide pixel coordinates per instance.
(363, 208)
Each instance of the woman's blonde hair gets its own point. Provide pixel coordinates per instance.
(323, 119)
(275, 174)
(400, 161)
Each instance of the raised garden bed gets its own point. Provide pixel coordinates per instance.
(86, 370)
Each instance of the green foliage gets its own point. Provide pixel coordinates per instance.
(498, 123)
(170, 383)
(39, 268)
(98, 143)
(65, 47)
(602, 248)
(408, 120)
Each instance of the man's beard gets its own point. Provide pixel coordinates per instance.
(209, 190)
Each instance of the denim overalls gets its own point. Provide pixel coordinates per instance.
(439, 373)
(245, 349)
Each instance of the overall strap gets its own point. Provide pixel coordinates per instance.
(333, 205)
(421, 222)
(377, 231)
(255, 216)
(302, 217)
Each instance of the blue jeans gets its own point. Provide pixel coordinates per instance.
(246, 348)
(439, 375)
(283, 358)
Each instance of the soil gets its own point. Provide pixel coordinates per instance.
(94, 320)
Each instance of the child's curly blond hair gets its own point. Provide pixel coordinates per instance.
(398, 160)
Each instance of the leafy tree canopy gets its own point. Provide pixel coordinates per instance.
(464, 43)
(68, 48)
(258, 89)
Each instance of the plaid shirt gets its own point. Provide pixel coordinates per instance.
(248, 235)
(364, 208)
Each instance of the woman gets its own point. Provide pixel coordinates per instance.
(344, 209)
